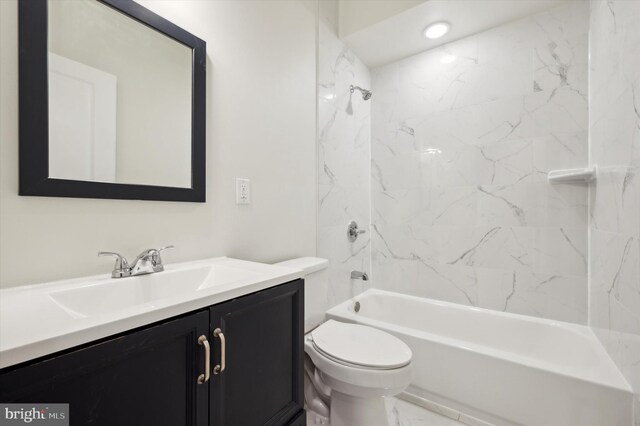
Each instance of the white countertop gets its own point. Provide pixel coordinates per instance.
(41, 319)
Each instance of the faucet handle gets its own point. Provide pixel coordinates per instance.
(157, 260)
(353, 231)
(121, 268)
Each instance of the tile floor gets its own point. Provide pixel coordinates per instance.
(403, 413)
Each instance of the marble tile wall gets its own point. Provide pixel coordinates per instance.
(462, 138)
(344, 144)
(614, 118)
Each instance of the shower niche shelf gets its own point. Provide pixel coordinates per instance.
(581, 175)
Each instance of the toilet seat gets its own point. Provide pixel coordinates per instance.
(360, 346)
(360, 381)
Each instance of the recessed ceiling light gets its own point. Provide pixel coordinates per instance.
(437, 30)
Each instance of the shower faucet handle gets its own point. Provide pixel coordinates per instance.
(353, 231)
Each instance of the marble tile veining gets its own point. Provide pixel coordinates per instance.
(614, 243)
(461, 209)
(344, 143)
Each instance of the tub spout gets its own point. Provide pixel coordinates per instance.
(357, 275)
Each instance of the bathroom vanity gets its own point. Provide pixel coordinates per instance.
(233, 356)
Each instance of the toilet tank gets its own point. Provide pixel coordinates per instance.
(316, 288)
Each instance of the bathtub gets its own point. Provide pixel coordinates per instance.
(502, 368)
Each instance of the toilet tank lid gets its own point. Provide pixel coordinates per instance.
(307, 264)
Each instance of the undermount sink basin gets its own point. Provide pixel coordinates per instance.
(107, 296)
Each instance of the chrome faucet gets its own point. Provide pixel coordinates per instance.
(121, 269)
(147, 262)
(357, 275)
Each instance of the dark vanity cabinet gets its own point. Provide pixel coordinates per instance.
(262, 383)
(149, 376)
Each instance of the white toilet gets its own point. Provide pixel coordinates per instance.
(350, 367)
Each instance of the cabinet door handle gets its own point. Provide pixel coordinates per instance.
(202, 341)
(223, 347)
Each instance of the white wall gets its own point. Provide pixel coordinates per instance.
(614, 243)
(356, 15)
(260, 125)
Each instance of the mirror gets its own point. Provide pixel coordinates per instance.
(119, 98)
(111, 102)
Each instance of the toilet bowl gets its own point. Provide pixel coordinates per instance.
(352, 367)
(360, 365)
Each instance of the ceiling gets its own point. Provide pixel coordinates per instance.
(400, 35)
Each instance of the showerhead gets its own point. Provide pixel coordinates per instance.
(366, 94)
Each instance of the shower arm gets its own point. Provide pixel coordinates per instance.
(366, 94)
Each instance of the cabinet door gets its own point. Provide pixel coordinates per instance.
(262, 383)
(145, 377)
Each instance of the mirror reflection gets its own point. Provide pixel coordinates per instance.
(120, 98)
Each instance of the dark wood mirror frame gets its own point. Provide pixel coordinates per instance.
(34, 112)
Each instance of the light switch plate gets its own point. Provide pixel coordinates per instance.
(243, 191)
